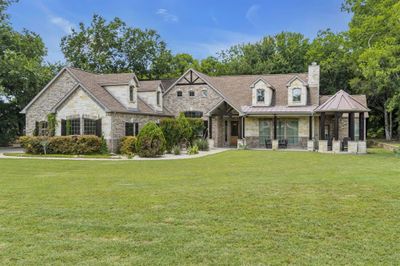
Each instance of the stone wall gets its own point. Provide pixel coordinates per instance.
(39, 110)
(198, 102)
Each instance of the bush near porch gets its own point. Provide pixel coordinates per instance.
(62, 144)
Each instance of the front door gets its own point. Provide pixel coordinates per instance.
(234, 133)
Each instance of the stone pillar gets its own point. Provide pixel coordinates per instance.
(336, 146)
(351, 126)
(275, 144)
(323, 146)
(322, 126)
(362, 147)
(352, 147)
(310, 145)
(210, 143)
(241, 143)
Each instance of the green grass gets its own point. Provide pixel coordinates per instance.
(236, 207)
(21, 154)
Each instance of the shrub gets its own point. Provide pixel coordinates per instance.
(32, 144)
(61, 144)
(193, 150)
(202, 144)
(128, 145)
(177, 150)
(171, 131)
(185, 130)
(151, 141)
(197, 127)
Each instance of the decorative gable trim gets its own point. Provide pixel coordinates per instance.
(74, 89)
(293, 79)
(263, 80)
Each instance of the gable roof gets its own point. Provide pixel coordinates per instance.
(93, 85)
(344, 102)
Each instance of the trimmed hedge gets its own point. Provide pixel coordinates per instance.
(61, 144)
(151, 141)
(128, 145)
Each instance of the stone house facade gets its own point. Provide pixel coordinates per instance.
(279, 111)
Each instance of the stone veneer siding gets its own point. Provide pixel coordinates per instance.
(191, 103)
(39, 110)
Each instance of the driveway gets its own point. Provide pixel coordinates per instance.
(10, 149)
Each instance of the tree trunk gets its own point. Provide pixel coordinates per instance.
(391, 125)
(387, 125)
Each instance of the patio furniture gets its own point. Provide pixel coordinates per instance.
(282, 144)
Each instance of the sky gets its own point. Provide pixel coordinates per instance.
(201, 28)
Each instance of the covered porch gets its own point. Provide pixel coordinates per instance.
(342, 125)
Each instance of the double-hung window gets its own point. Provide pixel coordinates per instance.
(260, 95)
(131, 128)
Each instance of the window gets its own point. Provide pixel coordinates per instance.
(42, 128)
(89, 126)
(158, 98)
(74, 126)
(191, 93)
(131, 129)
(204, 93)
(296, 95)
(289, 130)
(131, 94)
(179, 93)
(265, 131)
(193, 114)
(260, 95)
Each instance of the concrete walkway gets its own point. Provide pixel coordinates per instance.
(116, 158)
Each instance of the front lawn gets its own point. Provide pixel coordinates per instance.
(236, 207)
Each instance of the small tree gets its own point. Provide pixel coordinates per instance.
(151, 141)
(185, 130)
(171, 131)
(51, 124)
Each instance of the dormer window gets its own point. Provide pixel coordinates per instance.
(179, 93)
(296, 95)
(260, 95)
(132, 94)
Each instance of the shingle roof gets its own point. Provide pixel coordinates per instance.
(92, 82)
(343, 102)
(149, 85)
(237, 88)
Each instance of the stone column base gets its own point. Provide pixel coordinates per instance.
(275, 144)
(336, 146)
(323, 146)
(310, 145)
(210, 143)
(352, 147)
(362, 147)
(241, 143)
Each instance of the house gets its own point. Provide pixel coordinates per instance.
(277, 111)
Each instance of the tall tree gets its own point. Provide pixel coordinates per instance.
(375, 37)
(114, 47)
(332, 52)
(282, 53)
(22, 74)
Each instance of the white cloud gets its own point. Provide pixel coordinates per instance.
(62, 23)
(252, 13)
(168, 17)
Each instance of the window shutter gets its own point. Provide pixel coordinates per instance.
(136, 129)
(36, 130)
(98, 128)
(63, 127)
(126, 129)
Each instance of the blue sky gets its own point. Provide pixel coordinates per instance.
(200, 28)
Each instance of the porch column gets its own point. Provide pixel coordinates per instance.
(244, 127)
(322, 126)
(210, 127)
(275, 127)
(361, 121)
(240, 128)
(336, 126)
(351, 126)
(310, 128)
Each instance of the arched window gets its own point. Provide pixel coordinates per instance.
(296, 95)
(260, 95)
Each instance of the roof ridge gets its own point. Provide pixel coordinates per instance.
(257, 75)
